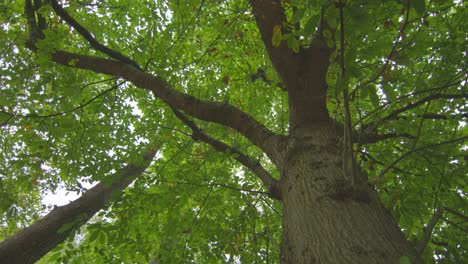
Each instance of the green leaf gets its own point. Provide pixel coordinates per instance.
(227, 152)
(389, 92)
(373, 96)
(276, 38)
(298, 15)
(361, 20)
(310, 26)
(66, 227)
(55, 256)
(4, 117)
(44, 10)
(293, 44)
(404, 260)
(333, 15)
(419, 6)
(365, 91)
(93, 236)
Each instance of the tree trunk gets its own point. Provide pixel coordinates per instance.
(322, 221)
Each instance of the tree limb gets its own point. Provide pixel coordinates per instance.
(35, 24)
(216, 112)
(371, 138)
(368, 135)
(454, 212)
(456, 225)
(382, 173)
(422, 101)
(428, 231)
(33, 242)
(221, 113)
(436, 116)
(214, 184)
(270, 183)
(454, 81)
(268, 14)
(89, 37)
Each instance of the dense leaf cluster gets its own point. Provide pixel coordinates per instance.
(60, 127)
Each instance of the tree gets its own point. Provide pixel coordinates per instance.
(291, 131)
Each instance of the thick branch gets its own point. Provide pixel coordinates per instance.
(33, 242)
(304, 74)
(221, 113)
(268, 14)
(214, 184)
(34, 27)
(270, 183)
(428, 231)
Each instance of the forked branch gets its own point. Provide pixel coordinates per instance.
(428, 231)
(270, 16)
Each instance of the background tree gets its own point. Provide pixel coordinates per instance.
(317, 124)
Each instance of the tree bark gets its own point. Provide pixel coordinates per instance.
(322, 221)
(327, 217)
(33, 242)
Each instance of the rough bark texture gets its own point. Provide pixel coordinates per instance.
(33, 242)
(322, 221)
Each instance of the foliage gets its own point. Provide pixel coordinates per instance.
(62, 126)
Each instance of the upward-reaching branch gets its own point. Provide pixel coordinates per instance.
(221, 113)
(304, 73)
(268, 14)
(33, 242)
(428, 231)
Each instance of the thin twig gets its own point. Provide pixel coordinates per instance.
(454, 212)
(268, 180)
(388, 59)
(211, 185)
(89, 37)
(383, 172)
(81, 106)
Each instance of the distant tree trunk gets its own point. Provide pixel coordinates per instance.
(322, 221)
(32, 243)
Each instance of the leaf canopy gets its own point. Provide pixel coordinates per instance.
(62, 127)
